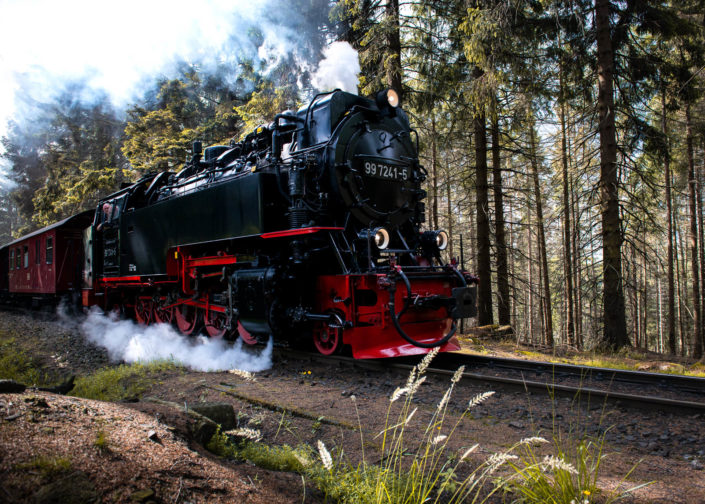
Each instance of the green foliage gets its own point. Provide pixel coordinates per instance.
(264, 104)
(125, 381)
(275, 458)
(17, 364)
(570, 476)
(562, 479)
(101, 441)
(82, 160)
(49, 467)
(160, 139)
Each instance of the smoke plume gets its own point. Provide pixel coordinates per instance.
(338, 69)
(126, 341)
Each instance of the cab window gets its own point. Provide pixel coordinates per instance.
(26, 256)
(18, 258)
(38, 251)
(12, 258)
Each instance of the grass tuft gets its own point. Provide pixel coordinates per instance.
(275, 458)
(125, 381)
(49, 467)
(101, 442)
(17, 364)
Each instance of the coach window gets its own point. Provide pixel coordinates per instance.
(50, 249)
(18, 257)
(26, 256)
(37, 251)
(12, 258)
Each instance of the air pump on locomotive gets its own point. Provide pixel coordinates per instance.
(307, 230)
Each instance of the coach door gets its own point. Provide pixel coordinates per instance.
(110, 228)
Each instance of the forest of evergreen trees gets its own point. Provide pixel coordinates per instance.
(564, 140)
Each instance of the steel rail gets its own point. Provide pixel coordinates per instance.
(585, 395)
(691, 384)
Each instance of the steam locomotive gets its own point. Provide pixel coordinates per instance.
(307, 230)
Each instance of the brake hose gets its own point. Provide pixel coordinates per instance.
(396, 317)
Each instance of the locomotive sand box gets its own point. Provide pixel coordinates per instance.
(308, 230)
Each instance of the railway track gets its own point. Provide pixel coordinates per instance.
(669, 393)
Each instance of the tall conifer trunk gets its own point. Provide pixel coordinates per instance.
(570, 331)
(615, 324)
(503, 307)
(392, 64)
(696, 342)
(543, 256)
(434, 173)
(669, 218)
(484, 289)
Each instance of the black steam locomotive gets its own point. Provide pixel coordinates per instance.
(308, 230)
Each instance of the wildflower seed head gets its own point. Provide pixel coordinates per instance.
(326, 459)
(423, 365)
(458, 375)
(479, 398)
(469, 451)
(411, 379)
(353, 398)
(439, 439)
(302, 460)
(416, 385)
(553, 464)
(411, 415)
(444, 400)
(534, 441)
(251, 434)
(399, 392)
(499, 459)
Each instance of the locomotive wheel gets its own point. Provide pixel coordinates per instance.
(328, 340)
(144, 311)
(164, 316)
(187, 319)
(215, 324)
(245, 336)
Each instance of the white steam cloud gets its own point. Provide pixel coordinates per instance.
(113, 47)
(338, 69)
(124, 340)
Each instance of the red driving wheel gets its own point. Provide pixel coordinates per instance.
(186, 318)
(164, 316)
(144, 311)
(215, 324)
(328, 340)
(245, 336)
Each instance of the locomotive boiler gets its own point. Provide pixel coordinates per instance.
(309, 230)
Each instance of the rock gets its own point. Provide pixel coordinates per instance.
(39, 402)
(220, 413)
(11, 387)
(516, 425)
(76, 488)
(62, 389)
(695, 464)
(153, 436)
(142, 495)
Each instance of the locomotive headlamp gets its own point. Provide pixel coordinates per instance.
(434, 239)
(381, 238)
(441, 240)
(387, 98)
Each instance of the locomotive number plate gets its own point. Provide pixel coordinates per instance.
(385, 171)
